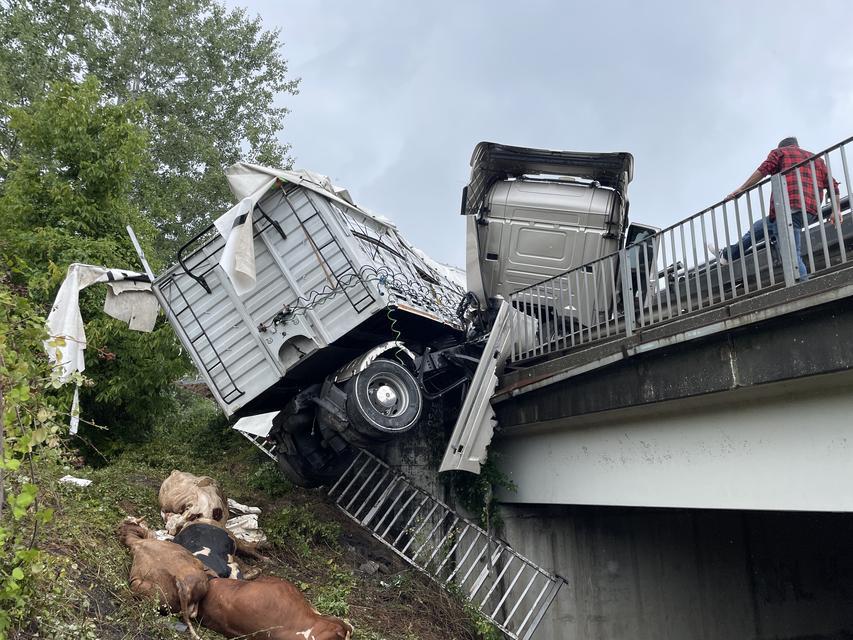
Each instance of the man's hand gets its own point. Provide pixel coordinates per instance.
(751, 181)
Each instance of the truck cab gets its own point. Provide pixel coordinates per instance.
(535, 213)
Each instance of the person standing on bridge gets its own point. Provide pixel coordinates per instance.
(788, 154)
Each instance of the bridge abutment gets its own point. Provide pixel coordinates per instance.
(674, 574)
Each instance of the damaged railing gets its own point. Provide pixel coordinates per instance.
(730, 250)
(507, 588)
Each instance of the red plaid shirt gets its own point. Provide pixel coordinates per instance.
(784, 158)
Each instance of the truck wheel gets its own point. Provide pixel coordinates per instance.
(296, 469)
(383, 400)
(301, 456)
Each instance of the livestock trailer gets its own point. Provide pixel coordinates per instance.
(344, 313)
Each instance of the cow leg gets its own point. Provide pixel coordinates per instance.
(184, 596)
(250, 550)
(234, 566)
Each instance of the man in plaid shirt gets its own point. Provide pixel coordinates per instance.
(788, 154)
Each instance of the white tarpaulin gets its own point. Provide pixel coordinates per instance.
(238, 257)
(244, 524)
(250, 182)
(65, 324)
(133, 302)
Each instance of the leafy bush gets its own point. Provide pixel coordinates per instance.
(66, 198)
(475, 492)
(268, 480)
(332, 598)
(29, 429)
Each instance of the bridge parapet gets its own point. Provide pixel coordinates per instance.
(734, 250)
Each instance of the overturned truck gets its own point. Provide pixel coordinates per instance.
(301, 308)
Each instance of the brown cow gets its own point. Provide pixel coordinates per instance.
(268, 608)
(185, 497)
(164, 570)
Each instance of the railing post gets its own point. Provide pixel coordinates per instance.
(784, 229)
(627, 293)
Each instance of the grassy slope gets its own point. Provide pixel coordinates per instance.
(83, 592)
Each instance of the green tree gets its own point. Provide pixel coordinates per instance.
(66, 199)
(209, 78)
(41, 41)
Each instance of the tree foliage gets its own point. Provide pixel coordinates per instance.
(29, 425)
(41, 41)
(66, 195)
(208, 77)
(66, 199)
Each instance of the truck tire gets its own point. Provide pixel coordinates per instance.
(384, 400)
(302, 457)
(296, 469)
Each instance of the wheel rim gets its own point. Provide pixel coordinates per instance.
(387, 395)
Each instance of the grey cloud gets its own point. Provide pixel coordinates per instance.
(395, 95)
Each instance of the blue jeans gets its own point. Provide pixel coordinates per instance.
(756, 234)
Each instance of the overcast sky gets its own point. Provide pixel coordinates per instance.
(395, 95)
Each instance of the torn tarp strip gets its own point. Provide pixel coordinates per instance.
(238, 257)
(66, 344)
(258, 425)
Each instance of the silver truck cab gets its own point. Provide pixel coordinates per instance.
(535, 213)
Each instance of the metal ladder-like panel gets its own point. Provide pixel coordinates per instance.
(347, 278)
(264, 444)
(195, 334)
(508, 589)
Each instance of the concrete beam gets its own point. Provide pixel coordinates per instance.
(785, 446)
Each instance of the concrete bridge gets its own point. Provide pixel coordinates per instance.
(685, 460)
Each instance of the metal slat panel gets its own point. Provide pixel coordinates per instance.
(431, 537)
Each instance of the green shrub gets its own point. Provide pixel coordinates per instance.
(268, 480)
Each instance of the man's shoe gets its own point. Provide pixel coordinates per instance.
(719, 255)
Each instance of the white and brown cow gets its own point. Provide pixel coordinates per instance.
(186, 498)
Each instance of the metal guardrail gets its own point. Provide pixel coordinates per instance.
(506, 587)
(728, 251)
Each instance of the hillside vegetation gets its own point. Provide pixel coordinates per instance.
(80, 590)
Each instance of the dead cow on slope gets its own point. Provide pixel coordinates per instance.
(213, 545)
(269, 608)
(185, 497)
(164, 570)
